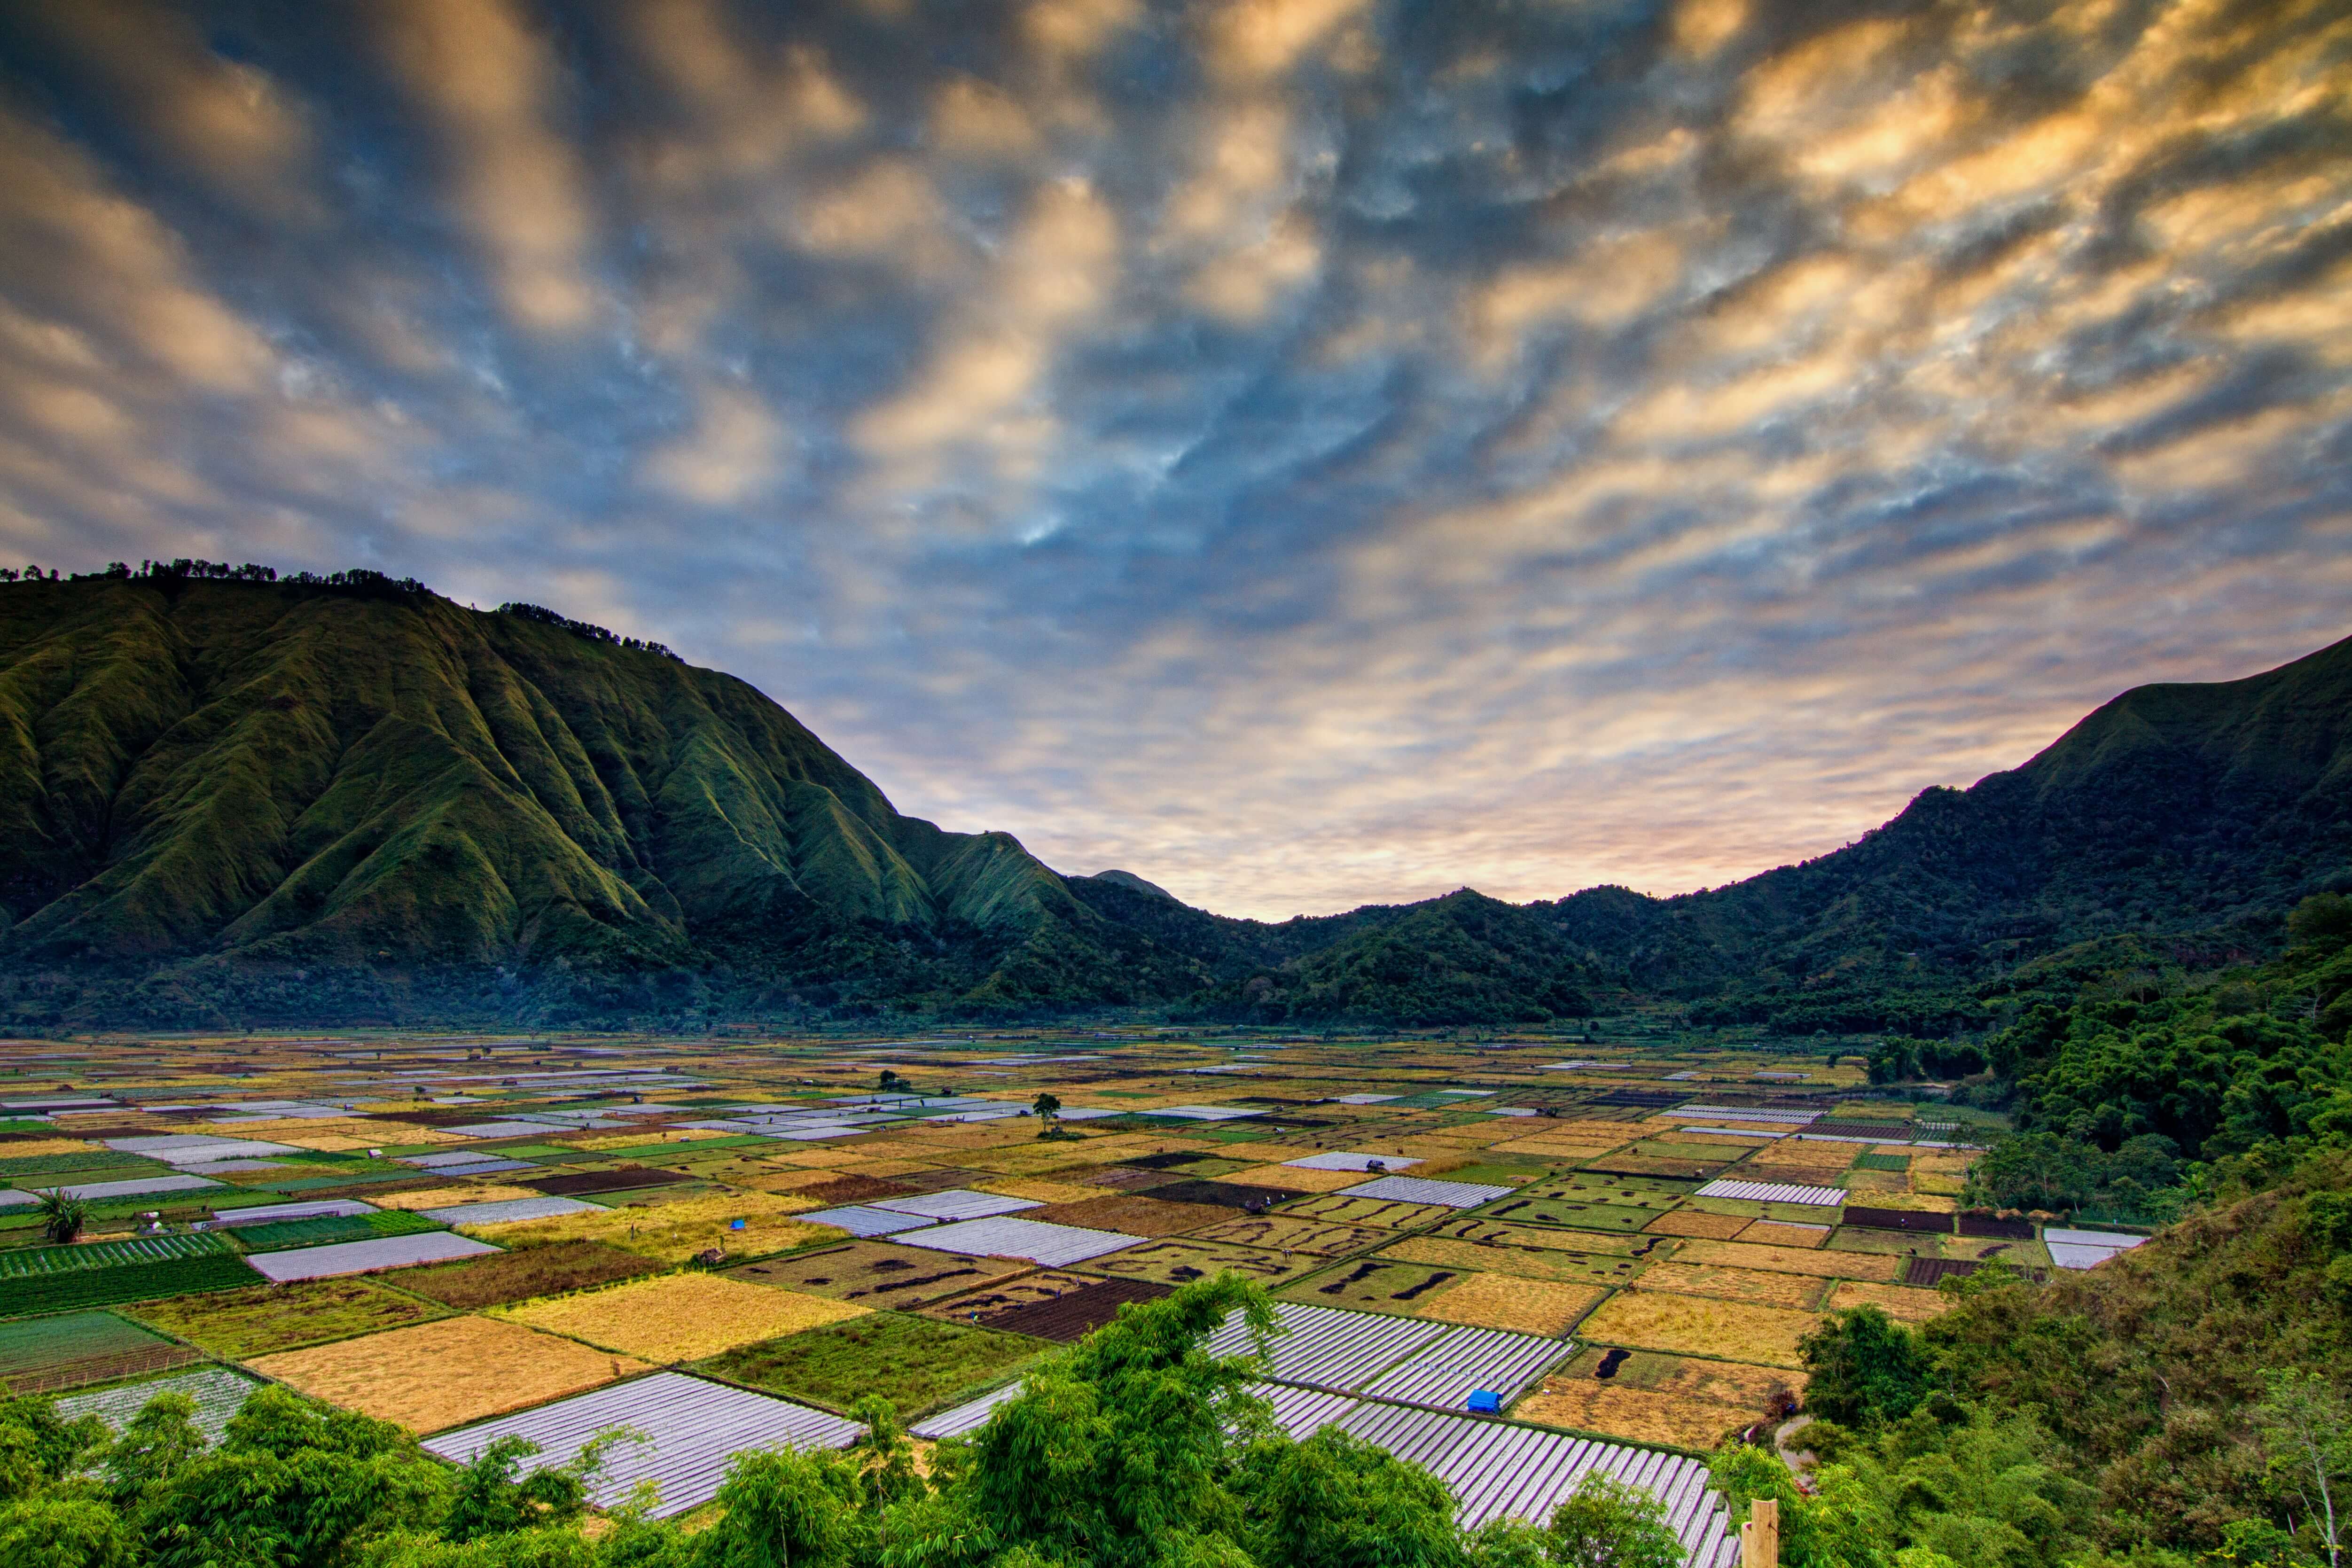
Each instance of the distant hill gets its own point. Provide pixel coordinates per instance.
(350, 799)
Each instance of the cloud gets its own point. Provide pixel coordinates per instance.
(975, 399)
(490, 87)
(1307, 453)
(231, 125)
(734, 452)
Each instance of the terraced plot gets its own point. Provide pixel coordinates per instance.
(1384, 1214)
(1376, 1286)
(1281, 1233)
(1575, 1215)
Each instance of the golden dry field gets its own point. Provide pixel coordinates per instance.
(1690, 1403)
(1733, 1330)
(679, 1317)
(1791, 1260)
(445, 1373)
(1906, 1303)
(1504, 1302)
(676, 1230)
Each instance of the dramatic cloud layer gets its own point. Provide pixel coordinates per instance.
(1303, 451)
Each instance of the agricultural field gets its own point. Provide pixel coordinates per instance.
(517, 1275)
(258, 1321)
(677, 1318)
(1678, 1307)
(918, 1364)
(447, 1373)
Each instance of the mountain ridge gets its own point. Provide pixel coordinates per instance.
(229, 797)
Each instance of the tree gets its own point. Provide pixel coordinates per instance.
(62, 1216)
(156, 1444)
(1867, 1368)
(1046, 1106)
(782, 1509)
(1337, 1501)
(2308, 1438)
(1608, 1524)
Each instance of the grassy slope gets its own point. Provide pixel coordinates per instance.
(306, 777)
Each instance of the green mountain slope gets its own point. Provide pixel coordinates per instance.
(2176, 816)
(275, 774)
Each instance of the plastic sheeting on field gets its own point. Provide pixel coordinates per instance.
(956, 1203)
(691, 1429)
(1447, 1370)
(1330, 1347)
(1006, 1236)
(1495, 1468)
(217, 1393)
(1348, 1160)
(1773, 1192)
(2073, 1249)
(366, 1257)
(1422, 1189)
(860, 1220)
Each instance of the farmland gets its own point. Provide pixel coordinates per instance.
(241, 1324)
(688, 1172)
(915, 1363)
(678, 1317)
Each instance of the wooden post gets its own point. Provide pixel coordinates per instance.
(1759, 1538)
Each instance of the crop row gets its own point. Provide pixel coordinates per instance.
(34, 1262)
(22, 1296)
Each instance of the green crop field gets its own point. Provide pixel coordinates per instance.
(31, 1262)
(917, 1364)
(265, 1318)
(330, 1228)
(38, 1345)
(78, 1160)
(24, 1294)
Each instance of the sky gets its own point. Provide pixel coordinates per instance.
(1304, 452)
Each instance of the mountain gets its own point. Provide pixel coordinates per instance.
(2178, 822)
(227, 798)
(206, 782)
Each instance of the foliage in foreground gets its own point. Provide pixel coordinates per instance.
(2182, 1403)
(1133, 1449)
